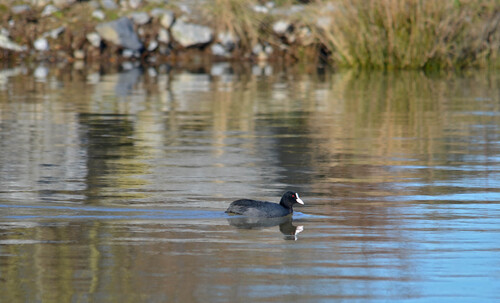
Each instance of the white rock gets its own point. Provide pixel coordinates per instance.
(63, 3)
(20, 9)
(189, 34)
(49, 10)
(140, 18)
(94, 39)
(157, 12)
(262, 51)
(39, 3)
(218, 50)
(54, 33)
(163, 36)
(185, 9)
(167, 19)
(98, 14)
(79, 54)
(109, 4)
(6, 43)
(281, 27)
(260, 9)
(134, 4)
(152, 45)
(257, 49)
(41, 44)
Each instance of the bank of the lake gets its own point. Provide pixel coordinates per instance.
(406, 34)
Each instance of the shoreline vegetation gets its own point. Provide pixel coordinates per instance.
(369, 34)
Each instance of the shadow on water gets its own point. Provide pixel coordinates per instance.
(286, 227)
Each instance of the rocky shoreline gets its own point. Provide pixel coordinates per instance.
(150, 31)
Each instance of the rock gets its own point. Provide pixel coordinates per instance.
(157, 12)
(257, 49)
(109, 4)
(98, 14)
(218, 50)
(94, 39)
(189, 34)
(323, 23)
(270, 5)
(140, 18)
(20, 9)
(120, 32)
(6, 43)
(63, 3)
(49, 10)
(227, 40)
(39, 3)
(134, 4)
(262, 52)
(54, 33)
(163, 36)
(281, 27)
(152, 45)
(260, 9)
(184, 8)
(41, 44)
(79, 54)
(167, 19)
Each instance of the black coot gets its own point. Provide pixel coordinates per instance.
(253, 208)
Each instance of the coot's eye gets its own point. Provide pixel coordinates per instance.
(293, 196)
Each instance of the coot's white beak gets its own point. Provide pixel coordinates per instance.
(298, 199)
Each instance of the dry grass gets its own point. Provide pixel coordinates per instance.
(238, 18)
(411, 33)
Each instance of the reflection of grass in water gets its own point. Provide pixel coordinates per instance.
(380, 106)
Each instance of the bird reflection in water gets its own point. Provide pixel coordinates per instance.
(285, 224)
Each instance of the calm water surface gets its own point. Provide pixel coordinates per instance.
(113, 185)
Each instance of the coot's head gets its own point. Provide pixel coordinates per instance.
(290, 198)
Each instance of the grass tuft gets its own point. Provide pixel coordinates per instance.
(411, 34)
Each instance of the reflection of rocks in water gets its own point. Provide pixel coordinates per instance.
(285, 224)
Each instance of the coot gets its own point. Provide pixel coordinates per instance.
(253, 208)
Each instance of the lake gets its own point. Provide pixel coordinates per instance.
(114, 183)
